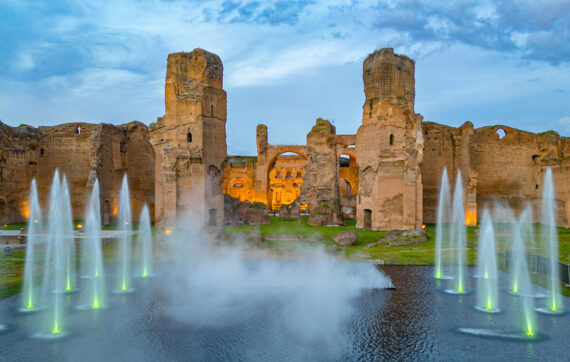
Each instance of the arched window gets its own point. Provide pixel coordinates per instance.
(391, 140)
(78, 130)
(211, 110)
(501, 132)
(42, 151)
(189, 137)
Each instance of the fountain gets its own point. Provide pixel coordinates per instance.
(487, 282)
(442, 217)
(69, 240)
(125, 240)
(58, 262)
(145, 244)
(521, 285)
(458, 236)
(93, 295)
(550, 236)
(31, 300)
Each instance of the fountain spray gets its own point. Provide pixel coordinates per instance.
(442, 217)
(30, 296)
(125, 240)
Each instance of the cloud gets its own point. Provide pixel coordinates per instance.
(72, 60)
(564, 123)
(537, 30)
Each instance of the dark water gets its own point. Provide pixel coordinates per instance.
(417, 321)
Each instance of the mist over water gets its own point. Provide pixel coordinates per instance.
(309, 296)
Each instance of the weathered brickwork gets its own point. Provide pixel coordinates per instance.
(386, 176)
(83, 152)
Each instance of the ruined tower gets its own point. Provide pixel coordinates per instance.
(190, 141)
(320, 183)
(389, 146)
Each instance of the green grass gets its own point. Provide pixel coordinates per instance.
(320, 236)
(292, 227)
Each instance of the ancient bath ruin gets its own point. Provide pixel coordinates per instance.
(386, 175)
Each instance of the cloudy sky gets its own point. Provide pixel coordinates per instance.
(286, 62)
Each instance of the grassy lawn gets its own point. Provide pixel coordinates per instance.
(318, 236)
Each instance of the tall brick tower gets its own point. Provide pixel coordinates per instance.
(389, 146)
(190, 141)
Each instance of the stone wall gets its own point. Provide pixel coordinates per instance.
(495, 168)
(83, 152)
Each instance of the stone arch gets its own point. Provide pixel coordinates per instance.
(283, 190)
(348, 171)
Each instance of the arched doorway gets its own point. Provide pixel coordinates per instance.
(284, 179)
(348, 174)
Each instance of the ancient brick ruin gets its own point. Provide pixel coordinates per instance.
(83, 152)
(386, 175)
(190, 141)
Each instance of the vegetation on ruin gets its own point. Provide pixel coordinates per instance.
(550, 133)
(560, 159)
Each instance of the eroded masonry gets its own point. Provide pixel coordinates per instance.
(386, 175)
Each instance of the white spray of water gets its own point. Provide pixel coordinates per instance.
(441, 232)
(521, 285)
(459, 235)
(58, 266)
(125, 240)
(487, 283)
(550, 238)
(93, 292)
(144, 239)
(31, 298)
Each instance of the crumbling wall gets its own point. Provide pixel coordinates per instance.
(18, 165)
(83, 152)
(505, 169)
(244, 213)
(238, 177)
(286, 180)
(320, 184)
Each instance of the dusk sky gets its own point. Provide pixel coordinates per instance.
(286, 62)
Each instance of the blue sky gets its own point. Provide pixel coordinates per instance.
(286, 62)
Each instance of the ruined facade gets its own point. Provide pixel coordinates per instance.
(190, 141)
(83, 152)
(389, 146)
(386, 176)
(498, 164)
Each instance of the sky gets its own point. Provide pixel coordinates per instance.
(286, 62)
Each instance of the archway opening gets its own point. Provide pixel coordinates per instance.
(284, 179)
(501, 133)
(348, 174)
